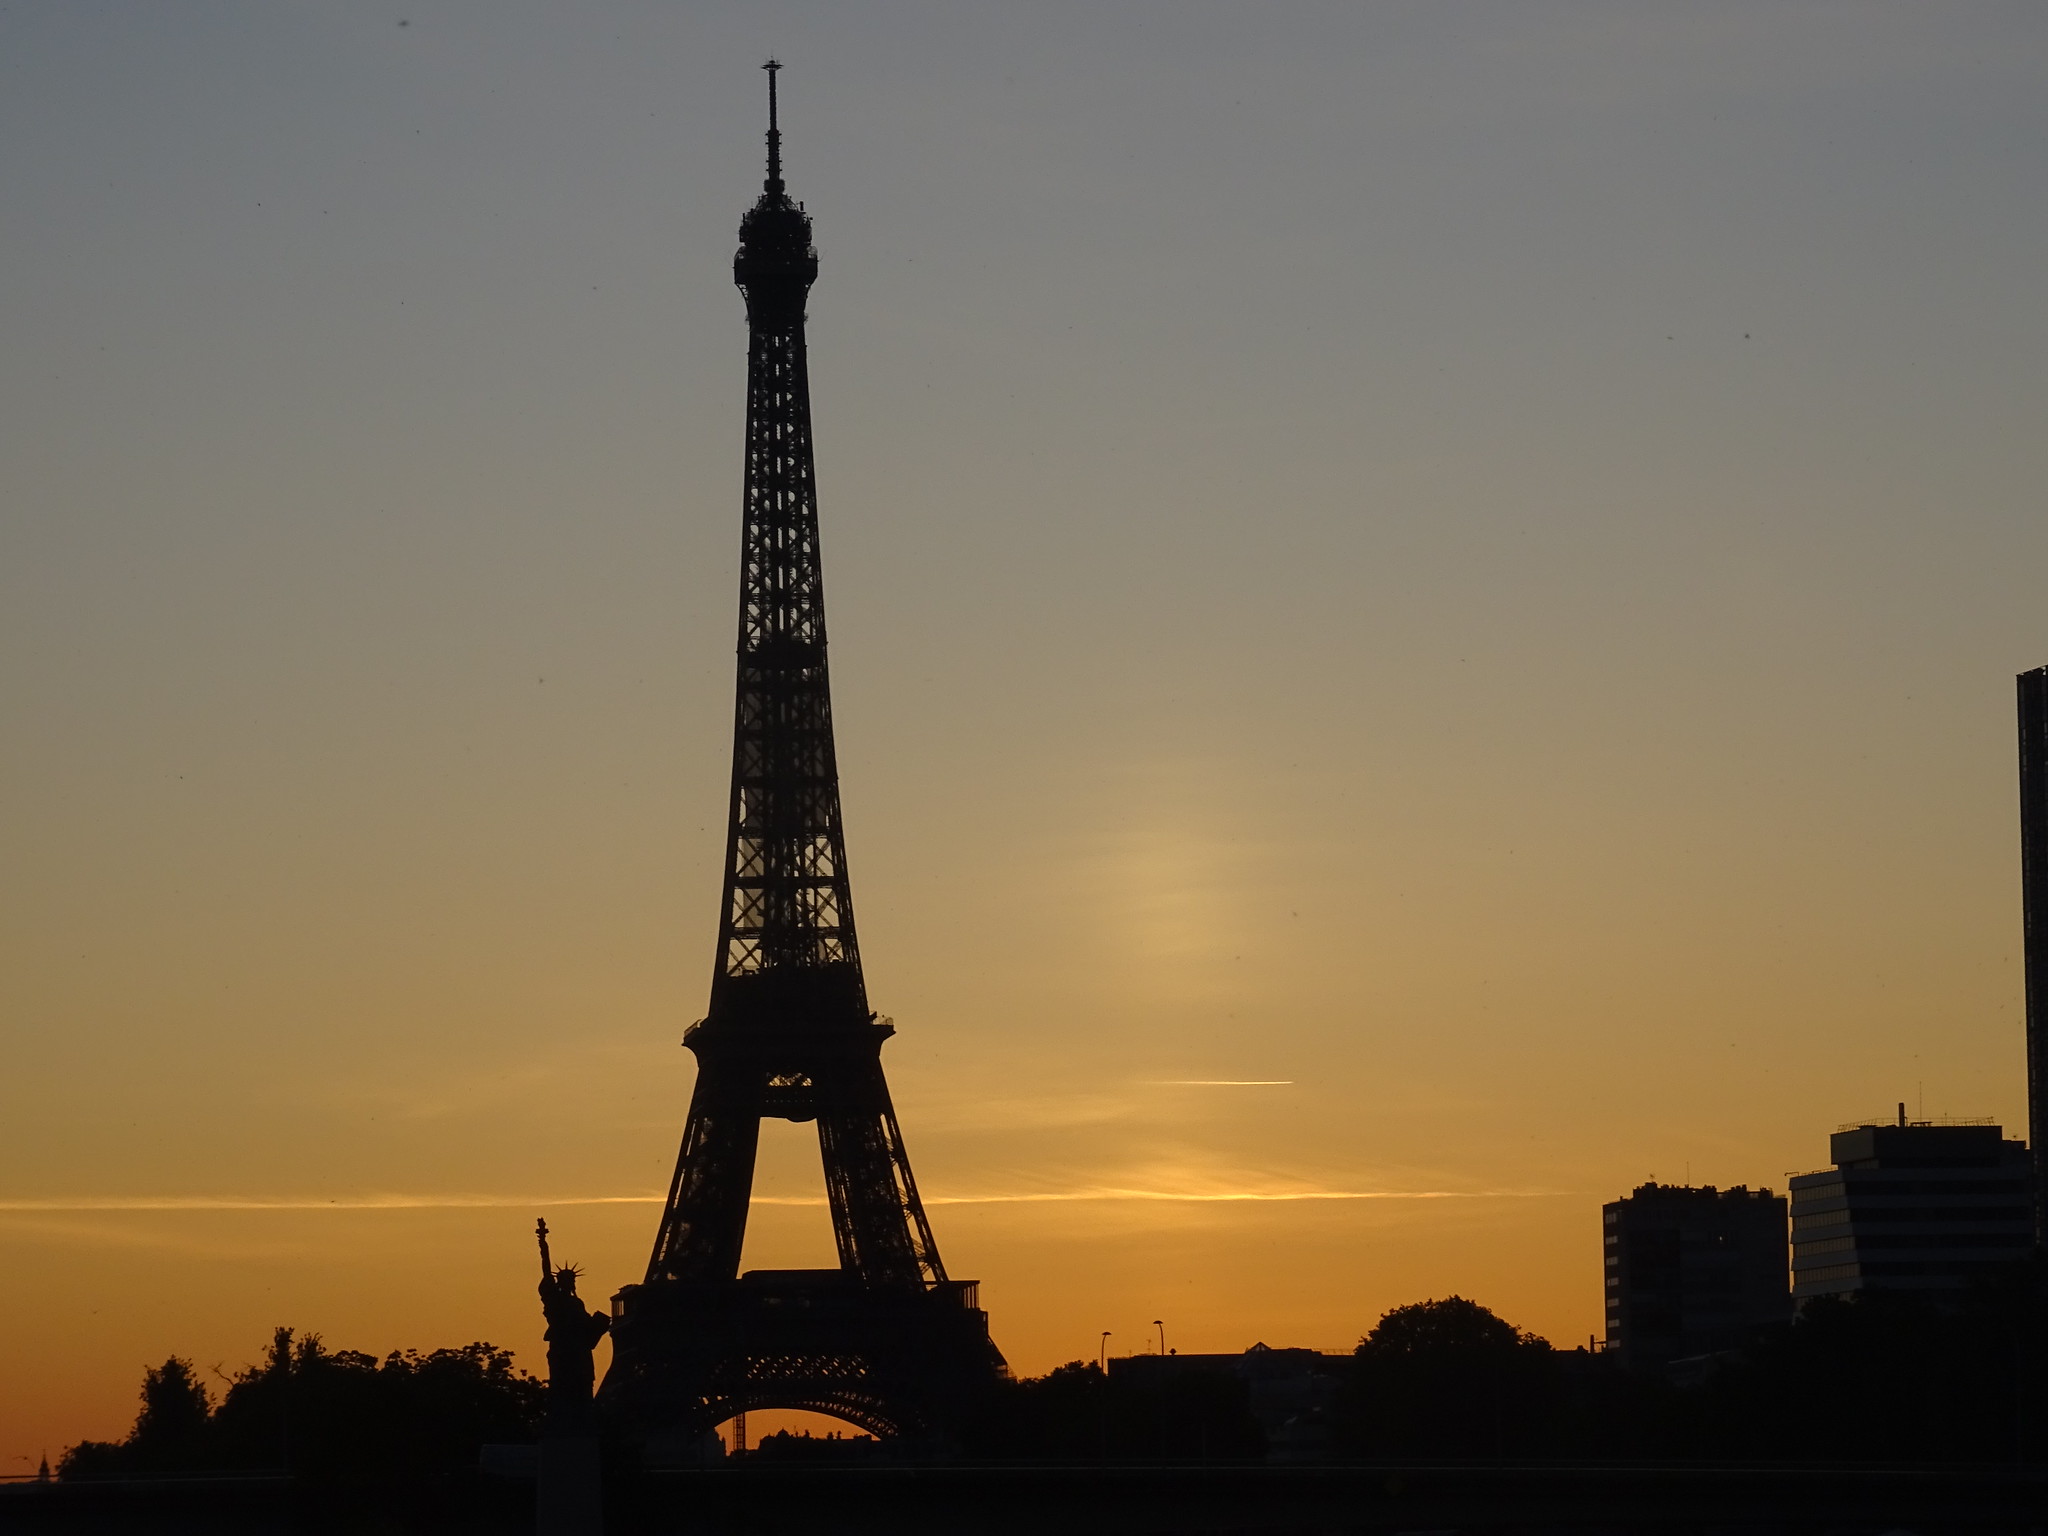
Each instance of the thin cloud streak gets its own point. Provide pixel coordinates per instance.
(338, 1203)
(148, 1203)
(1238, 1195)
(1221, 1082)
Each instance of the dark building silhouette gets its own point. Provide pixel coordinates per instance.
(1290, 1391)
(886, 1340)
(1692, 1271)
(2033, 700)
(1910, 1206)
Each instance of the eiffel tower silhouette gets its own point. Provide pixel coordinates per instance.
(886, 1340)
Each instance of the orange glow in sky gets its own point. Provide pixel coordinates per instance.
(1424, 602)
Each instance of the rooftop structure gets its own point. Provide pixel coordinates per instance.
(1290, 1390)
(1910, 1206)
(1692, 1271)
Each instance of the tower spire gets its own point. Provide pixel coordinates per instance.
(774, 183)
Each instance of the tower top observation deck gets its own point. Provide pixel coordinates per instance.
(776, 263)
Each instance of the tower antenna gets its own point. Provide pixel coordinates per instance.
(774, 132)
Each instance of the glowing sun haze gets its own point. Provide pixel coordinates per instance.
(1424, 601)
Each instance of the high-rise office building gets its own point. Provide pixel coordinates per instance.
(2033, 690)
(1910, 1206)
(1692, 1271)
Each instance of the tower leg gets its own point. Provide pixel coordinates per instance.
(705, 1224)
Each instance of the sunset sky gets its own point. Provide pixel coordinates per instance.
(1424, 602)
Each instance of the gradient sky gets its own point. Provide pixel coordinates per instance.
(1424, 597)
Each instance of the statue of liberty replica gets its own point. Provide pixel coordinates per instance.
(570, 1499)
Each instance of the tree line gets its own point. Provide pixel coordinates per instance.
(322, 1414)
(1880, 1376)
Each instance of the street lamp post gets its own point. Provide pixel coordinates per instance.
(1156, 1323)
(1102, 1399)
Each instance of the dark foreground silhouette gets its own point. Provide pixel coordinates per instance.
(1878, 1413)
(324, 1416)
(1882, 1377)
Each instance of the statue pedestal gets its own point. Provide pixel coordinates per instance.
(570, 1498)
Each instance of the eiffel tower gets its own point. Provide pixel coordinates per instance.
(887, 1340)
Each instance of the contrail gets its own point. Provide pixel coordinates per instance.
(1236, 1194)
(1221, 1082)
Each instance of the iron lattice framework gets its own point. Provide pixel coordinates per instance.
(789, 1032)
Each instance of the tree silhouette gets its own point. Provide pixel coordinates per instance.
(169, 1432)
(1447, 1378)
